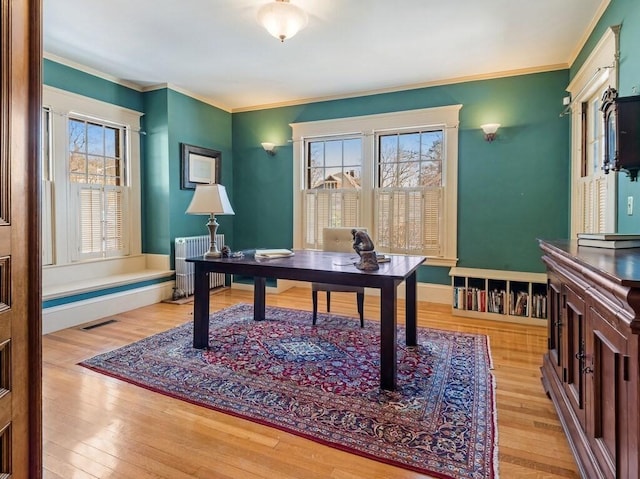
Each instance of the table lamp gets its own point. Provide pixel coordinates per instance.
(211, 200)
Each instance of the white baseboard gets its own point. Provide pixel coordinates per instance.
(432, 293)
(283, 285)
(79, 312)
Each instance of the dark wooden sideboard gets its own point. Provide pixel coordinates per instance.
(591, 369)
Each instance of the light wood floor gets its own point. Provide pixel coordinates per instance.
(99, 427)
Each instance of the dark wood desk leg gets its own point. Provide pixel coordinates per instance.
(201, 308)
(411, 310)
(259, 298)
(388, 350)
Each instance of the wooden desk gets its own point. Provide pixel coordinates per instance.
(321, 267)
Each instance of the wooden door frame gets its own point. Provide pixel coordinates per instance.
(20, 162)
(34, 269)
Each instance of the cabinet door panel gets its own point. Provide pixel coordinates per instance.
(608, 394)
(555, 324)
(574, 355)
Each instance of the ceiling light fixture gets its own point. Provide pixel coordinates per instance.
(282, 19)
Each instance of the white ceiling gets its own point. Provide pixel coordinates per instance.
(216, 50)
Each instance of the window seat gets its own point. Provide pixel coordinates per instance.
(114, 282)
(92, 278)
(78, 293)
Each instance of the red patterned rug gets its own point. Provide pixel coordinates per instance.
(322, 382)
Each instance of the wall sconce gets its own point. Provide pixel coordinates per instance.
(490, 130)
(270, 148)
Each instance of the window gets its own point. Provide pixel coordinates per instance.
(333, 181)
(97, 178)
(395, 174)
(93, 183)
(46, 196)
(593, 193)
(593, 183)
(409, 192)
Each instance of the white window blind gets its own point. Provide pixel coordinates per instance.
(47, 222)
(329, 209)
(101, 226)
(409, 220)
(331, 198)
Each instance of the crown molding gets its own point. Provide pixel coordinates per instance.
(303, 101)
(589, 30)
(414, 86)
(91, 71)
(190, 94)
(130, 84)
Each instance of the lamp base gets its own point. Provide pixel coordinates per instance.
(213, 252)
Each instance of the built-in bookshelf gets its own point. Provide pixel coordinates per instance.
(502, 295)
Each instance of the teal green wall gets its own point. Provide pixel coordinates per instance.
(156, 174)
(627, 14)
(196, 123)
(170, 118)
(510, 192)
(69, 79)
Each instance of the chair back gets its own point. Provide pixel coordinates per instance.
(339, 240)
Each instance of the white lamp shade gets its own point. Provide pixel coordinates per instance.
(210, 199)
(490, 128)
(282, 19)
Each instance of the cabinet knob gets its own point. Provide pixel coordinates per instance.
(580, 356)
(588, 370)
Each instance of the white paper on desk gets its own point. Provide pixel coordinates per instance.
(273, 253)
(344, 262)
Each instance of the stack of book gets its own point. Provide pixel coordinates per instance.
(609, 240)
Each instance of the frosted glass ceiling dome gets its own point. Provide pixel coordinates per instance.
(282, 19)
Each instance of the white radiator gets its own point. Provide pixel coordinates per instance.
(189, 247)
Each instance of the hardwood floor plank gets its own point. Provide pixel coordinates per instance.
(97, 426)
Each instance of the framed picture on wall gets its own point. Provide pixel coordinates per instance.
(199, 166)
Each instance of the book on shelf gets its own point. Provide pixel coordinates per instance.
(608, 236)
(470, 299)
(609, 244)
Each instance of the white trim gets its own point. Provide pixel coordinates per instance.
(67, 279)
(428, 292)
(80, 312)
(190, 94)
(506, 275)
(367, 126)
(158, 261)
(598, 71)
(91, 71)
(281, 286)
(587, 32)
(412, 86)
(63, 103)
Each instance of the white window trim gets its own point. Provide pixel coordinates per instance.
(597, 72)
(63, 104)
(446, 117)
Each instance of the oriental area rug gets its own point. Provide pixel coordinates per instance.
(322, 382)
